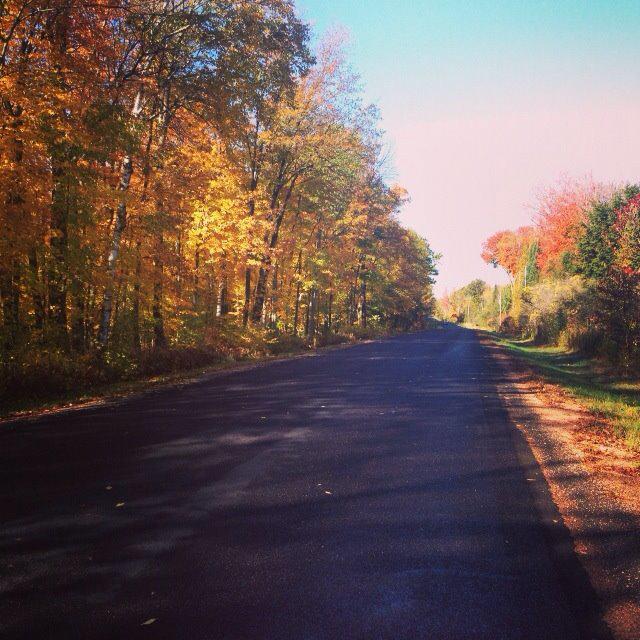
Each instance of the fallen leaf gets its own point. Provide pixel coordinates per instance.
(146, 623)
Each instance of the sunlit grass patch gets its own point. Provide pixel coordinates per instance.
(613, 398)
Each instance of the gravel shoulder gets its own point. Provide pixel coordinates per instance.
(594, 480)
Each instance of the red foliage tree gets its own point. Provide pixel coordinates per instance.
(506, 248)
(559, 215)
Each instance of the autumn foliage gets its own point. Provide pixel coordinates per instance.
(507, 249)
(575, 275)
(560, 214)
(187, 174)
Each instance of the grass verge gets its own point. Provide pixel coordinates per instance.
(613, 398)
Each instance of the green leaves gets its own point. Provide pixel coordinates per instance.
(599, 241)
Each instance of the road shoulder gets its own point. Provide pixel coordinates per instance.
(594, 486)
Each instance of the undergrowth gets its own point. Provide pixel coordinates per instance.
(38, 378)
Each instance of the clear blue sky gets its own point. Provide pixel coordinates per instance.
(486, 102)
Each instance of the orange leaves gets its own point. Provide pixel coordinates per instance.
(507, 249)
(559, 214)
(163, 168)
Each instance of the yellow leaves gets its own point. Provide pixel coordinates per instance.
(319, 210)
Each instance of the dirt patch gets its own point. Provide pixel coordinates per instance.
(594, 479)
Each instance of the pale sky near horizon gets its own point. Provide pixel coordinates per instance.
(485, 102)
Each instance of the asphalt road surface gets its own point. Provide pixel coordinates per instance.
(377, 491)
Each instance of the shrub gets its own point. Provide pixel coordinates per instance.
(559, 310)
(588, 342)
(508, 326)
(32, 373)
(172, 360)
(286, 343)
(234, 342)
(329, 339)
(356, 332)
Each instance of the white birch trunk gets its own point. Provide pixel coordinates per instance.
(126, 172)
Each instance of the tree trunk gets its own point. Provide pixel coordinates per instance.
(159, 337)
(222, 303)
(261, 292)
(313, 311)
(126, 171)
(36, 292)
(251, 209)
(362, 307)
(196, 281)
(296, 312)
(57, 272)
(222, 307)
(313, 297)
(10, 294)
(306, 319)
(261, 286)
(78, 329)
(353, 298)
(57, 29)
(247, 296)
(136, 343)
(273, 316)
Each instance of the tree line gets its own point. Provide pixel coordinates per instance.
(180, 173)
(574, 274)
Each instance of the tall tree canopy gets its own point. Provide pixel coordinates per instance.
(172, 168)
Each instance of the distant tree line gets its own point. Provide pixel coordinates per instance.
(574, 274)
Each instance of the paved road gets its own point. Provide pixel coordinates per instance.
(368, 492)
